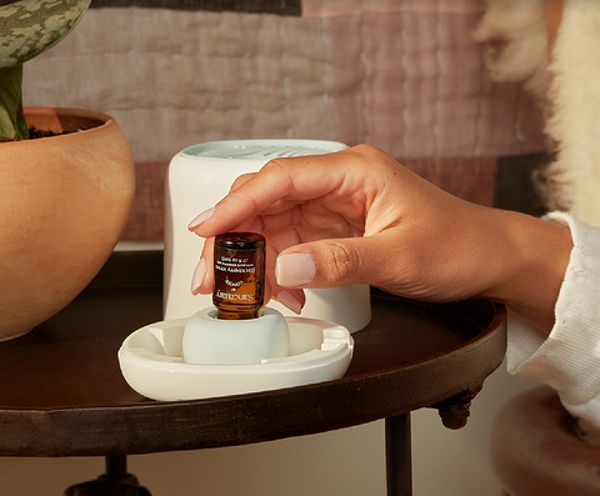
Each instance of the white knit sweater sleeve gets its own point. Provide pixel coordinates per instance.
(569, 359)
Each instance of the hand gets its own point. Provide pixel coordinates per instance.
(358, 216)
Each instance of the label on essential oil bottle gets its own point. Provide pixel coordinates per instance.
(239, 275)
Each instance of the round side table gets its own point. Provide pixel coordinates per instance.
(63, 393)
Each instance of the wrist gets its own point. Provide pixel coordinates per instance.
(532, 257)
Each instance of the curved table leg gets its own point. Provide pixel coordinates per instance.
(115, 482)
(398, 458)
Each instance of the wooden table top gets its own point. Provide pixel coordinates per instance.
(62, 393)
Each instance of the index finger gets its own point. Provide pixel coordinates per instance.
(294, 179)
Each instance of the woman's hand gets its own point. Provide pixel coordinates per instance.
(358, 216)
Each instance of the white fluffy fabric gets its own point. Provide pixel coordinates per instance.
(569, 90)
(575, 119)
(515, 43)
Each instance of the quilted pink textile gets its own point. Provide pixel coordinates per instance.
(403, 75)
(408, 77)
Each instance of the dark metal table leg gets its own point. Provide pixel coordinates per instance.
(115, 482)
(398, 458)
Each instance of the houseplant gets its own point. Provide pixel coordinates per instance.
(64, 198)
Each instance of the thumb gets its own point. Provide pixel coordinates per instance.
(330, 262)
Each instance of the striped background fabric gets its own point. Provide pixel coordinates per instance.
(403, 75)
(281, 7)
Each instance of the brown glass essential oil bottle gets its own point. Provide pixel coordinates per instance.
(239, 275)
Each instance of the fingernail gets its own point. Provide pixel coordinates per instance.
(200, 218)
(198, 277)
(288, 300)
(296, 269)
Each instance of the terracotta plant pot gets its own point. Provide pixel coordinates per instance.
(64, 201)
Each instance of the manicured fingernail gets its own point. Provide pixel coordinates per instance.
(200, 218)
(296, 269)
(288, 300)
(198, 277)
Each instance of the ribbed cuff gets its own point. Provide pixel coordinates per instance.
(569, 359)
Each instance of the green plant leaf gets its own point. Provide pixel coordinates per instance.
(12, 118)
(28, 27)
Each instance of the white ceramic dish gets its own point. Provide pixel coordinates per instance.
(151, 362)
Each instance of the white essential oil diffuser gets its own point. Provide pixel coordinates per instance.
(201, 175)
(194, 354)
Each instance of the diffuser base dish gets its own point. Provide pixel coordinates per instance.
(151, 361)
